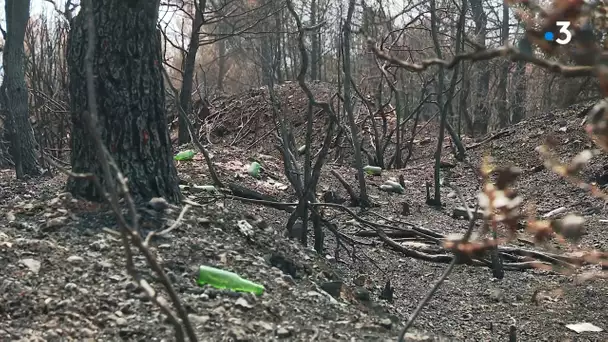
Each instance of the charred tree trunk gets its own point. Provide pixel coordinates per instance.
(314, 35)
(364, 200)
(502, 107)
(130, 97)
(185, 94)
(278, 48)
(502, 104)
(14, 91)
(222, 57)
(482, 111)
(519, 100)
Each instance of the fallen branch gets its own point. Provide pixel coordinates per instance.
(354, 199)
(424, 234)
(495, 136)
(246, 193)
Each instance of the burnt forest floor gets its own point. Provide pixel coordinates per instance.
(63, 277)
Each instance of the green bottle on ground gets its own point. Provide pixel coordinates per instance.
(221, 279)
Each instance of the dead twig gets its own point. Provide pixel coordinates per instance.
(175, 224)
(443, 277)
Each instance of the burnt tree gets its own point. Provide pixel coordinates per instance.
(130, 99)
(14, 93)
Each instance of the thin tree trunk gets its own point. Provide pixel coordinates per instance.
(503, 111)
(222, 58)
(278, 49)
(482, 111)
(346, 31)
(185, 94)
(520, 80)
(15, 93)
(314, 54)
(440, 86)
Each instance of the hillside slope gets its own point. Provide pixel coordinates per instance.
(63, 276)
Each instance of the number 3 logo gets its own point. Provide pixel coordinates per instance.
(563, 25)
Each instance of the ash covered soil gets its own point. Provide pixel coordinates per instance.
(63, 277)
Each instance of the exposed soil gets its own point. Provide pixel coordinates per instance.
(64, 278)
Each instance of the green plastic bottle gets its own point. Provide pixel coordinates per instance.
(254, 169)
(221, 279)
(372, 170)
(185, 155)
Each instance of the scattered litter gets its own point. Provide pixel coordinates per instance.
(185, 155)
(584, 327)
(227, 280)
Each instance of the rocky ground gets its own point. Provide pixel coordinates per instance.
(63, 276)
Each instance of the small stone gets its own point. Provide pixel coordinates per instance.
(70, 286)
(281, 282)
(104, 265)
(386, 323)
(288, 279)
(360, 280)
(55, 223)
(51, 334)
(75, 259)
(262, 224)
(362, 293)
(283, 332)
(199, 319)
(100, 245)
(333, 288)
(115, 278)
(86, 332)
(121, 321)
(497, 295)
(267, 326)
(32, 264)
(243, 303)
(203, 220)
(10, 217)
(238, 334)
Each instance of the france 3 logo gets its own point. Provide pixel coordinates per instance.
(564, 35)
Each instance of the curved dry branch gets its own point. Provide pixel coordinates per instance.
(504, 51)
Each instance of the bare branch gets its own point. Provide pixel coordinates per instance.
(482, 55)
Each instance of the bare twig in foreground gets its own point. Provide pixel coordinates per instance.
(444, 276)
(168, 230)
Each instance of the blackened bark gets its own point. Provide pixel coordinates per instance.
(482, 111)
(501, 105)
(521, 83)
(222, 57)
(15, 93)
(278, 24)
(314, 61)
(130, 98)
(185, 94)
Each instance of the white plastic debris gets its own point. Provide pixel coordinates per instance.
(584, 327)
